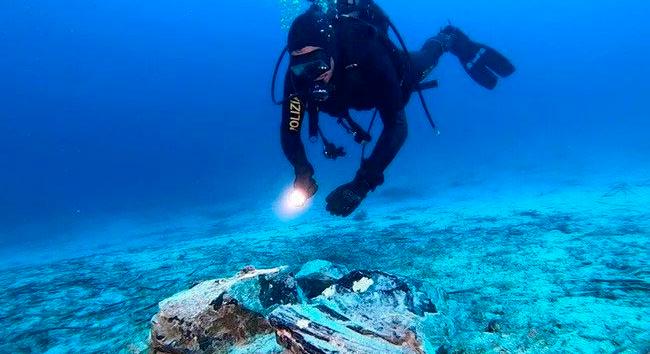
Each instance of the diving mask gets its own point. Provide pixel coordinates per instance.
(305, 71)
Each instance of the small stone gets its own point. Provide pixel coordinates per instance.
(494, 326)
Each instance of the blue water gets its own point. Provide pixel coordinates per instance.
(119, 115)
(150, 107)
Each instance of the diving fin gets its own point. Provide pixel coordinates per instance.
(482, 63)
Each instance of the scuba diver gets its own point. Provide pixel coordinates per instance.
(342, 58)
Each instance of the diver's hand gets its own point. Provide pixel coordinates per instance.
(307, 184)
(346, 198)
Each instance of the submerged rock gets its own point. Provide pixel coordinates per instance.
(309, 329)
(348, 312)
(398, 292)
(216, 315)
(363, 312)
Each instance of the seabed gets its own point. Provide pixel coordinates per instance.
(562, 269)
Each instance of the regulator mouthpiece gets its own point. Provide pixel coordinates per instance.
(320, 92)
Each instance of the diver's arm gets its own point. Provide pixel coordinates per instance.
(390, 142)
(346, 198)
(293, 114)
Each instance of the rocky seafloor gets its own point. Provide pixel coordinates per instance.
(563, 271)
(323, 308)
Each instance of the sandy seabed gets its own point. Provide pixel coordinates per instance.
(563, 270)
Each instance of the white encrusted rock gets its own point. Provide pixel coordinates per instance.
(212, 316)
(364, 312)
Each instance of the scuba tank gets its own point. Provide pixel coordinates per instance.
(365, 10)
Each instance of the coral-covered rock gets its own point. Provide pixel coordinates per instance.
(216, 315)
(358, 312)
(363, 312)
(399, 292)
(309, 329)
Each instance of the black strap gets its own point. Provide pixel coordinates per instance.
(363, 147)
(419, 90)
(275, 76)
(427, 85)
(313, 116)
(360, 136)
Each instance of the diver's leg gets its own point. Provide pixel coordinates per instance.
(427, 58)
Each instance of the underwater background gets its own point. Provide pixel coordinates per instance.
(139, 153)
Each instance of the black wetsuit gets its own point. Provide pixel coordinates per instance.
(369, 72)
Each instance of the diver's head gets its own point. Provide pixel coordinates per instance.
(312, 64)
(311, 72)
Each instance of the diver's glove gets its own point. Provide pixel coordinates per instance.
(346, 198)
(306, 183)
(482, 63)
